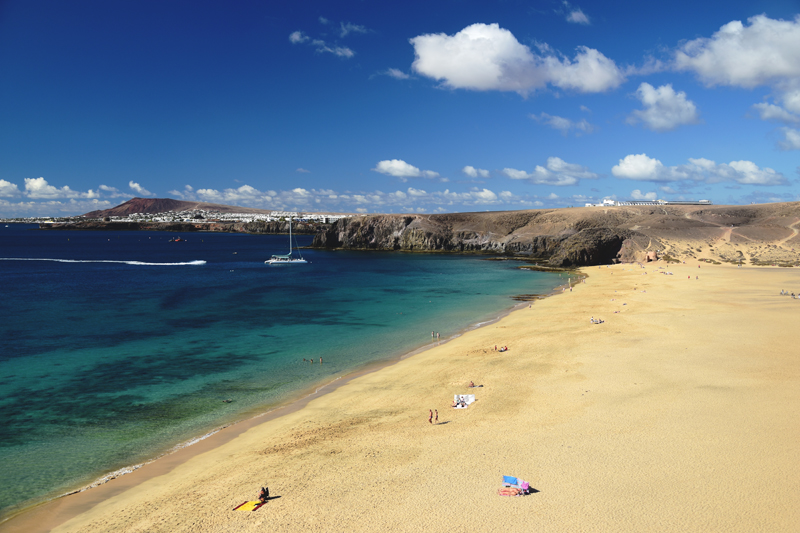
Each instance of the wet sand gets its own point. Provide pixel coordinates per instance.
(678, 413)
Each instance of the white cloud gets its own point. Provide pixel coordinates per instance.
(39, 189)
(791, 99)
(577, 16)
(397, 74)
(8, 189)
(341, 51)
(473, 172)
(112, 192)
(486, 57)
(636, 194)
(557, 172)
(564, 125)
(323, 20)
(301, 170)
(767, 52)
(664, 108)
(297, 37)
(400, 169)
(138, 189)
(349, 27)
(775, 113)
(643, 168)
(791, 139)
(638, 167)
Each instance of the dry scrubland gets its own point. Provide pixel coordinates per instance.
(678, 413)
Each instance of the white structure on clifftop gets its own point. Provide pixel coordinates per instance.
(613, 203)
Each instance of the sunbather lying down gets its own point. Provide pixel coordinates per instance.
(509, 491)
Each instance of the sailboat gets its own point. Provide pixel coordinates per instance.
(286, 259)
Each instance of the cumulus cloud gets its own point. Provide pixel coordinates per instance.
(664, 109)
(775, 113)
(765, 52)
(485, 57)
(564, 125)
(400, 169)
(556, 172)
(38, 188)
(473, 172)
(138, 189)
(791, 139)
(643, 168)
(8, 189)
(636, 194)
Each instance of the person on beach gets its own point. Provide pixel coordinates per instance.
(437, 415)
(263, 495)
(320, 360)
(471, 384)
(430, 416)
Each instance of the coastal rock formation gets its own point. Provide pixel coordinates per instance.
(766, 234)
(760, 234)
(543, 235)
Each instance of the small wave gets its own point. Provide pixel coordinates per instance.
(137, 263)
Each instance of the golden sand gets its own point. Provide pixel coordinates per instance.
(681, 412)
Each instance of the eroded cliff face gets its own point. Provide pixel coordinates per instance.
(542, 235)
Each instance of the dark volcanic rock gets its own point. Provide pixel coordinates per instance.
(596, 246)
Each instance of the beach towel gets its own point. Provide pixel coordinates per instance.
(248, 506)
(509, 480)
(467, 399)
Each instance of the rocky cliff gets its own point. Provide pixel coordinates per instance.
(762, 234)
(542, 235)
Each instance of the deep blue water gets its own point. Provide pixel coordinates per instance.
(105, 364)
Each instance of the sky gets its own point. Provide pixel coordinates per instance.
(396, 107)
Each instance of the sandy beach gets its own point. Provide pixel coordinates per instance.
(678, 413)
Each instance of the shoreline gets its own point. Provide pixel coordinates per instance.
(674, 413)
(28, 519)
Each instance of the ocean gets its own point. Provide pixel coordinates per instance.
(117, 346)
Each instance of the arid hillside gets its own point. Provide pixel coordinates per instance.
(755, 234)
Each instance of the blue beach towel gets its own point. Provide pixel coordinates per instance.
(508, 480)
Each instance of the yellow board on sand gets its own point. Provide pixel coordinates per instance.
(248, 506)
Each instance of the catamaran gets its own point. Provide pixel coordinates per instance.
(287, 259)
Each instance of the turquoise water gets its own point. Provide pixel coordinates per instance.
(116, 346)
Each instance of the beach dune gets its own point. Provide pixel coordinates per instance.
(678, 413)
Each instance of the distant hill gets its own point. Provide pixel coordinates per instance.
(154, 206)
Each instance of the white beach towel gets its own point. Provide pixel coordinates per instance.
(467, 398)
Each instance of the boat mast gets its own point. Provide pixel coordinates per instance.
(290, 236)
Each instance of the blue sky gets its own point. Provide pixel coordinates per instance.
(396, 107)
